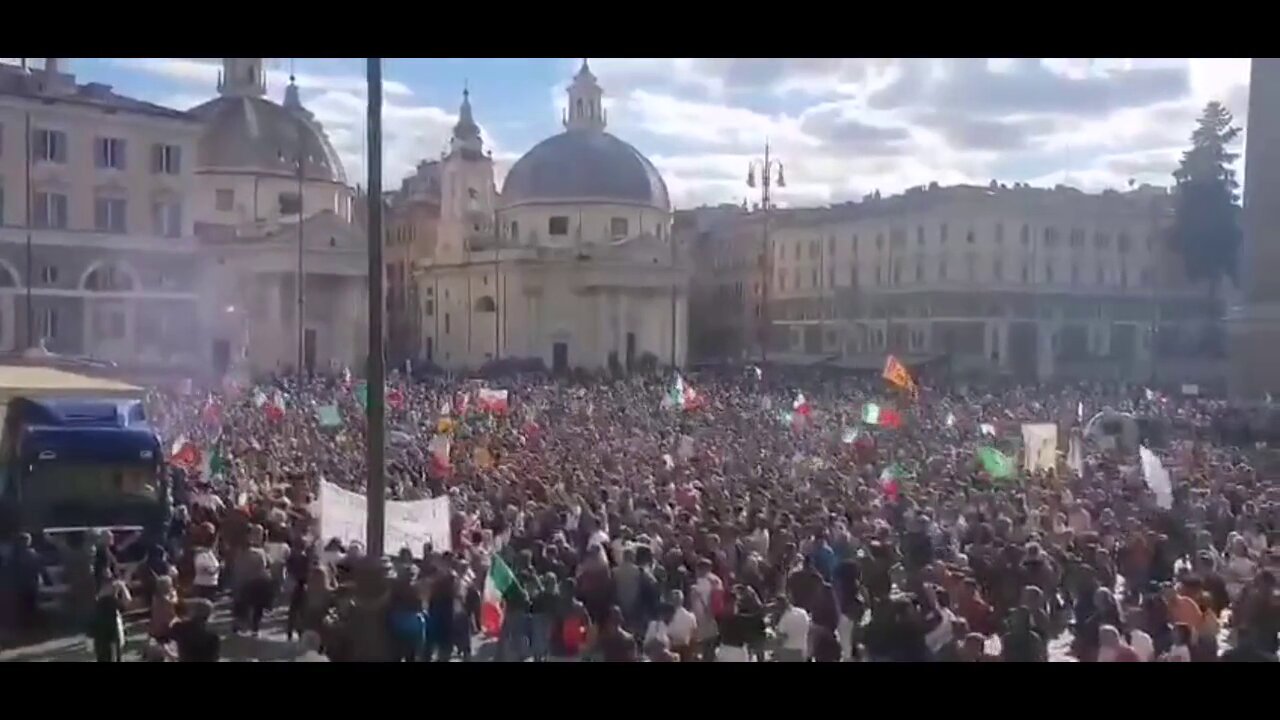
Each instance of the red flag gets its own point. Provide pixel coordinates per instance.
(395, 399)
(185, 455)
(890, 419)
(492, 401)
(212, 413)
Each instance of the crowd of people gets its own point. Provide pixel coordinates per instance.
(747, 516)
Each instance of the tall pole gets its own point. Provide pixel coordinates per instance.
(767, 167)
(29, 281)
(672, 240)
(375, 449)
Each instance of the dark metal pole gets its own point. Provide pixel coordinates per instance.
(768, 254)
(375, 449)
(28, 281)
(671, 238)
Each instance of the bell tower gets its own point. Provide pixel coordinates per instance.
(242, 77)
(586, 102)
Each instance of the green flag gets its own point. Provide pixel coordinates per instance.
(871, 414)
(328, 416)
(362, 394)
(997, 465)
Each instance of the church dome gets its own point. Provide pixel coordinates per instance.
(585, 164)
(244, 132)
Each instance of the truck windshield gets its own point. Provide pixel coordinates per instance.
(56, 483)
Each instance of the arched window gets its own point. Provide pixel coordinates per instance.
(109, 277)
(579, 107)
(486, 304)
(8, 278)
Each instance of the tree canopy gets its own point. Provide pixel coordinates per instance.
(1206, 228)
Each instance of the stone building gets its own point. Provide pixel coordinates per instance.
(409, 223)
(1036, 283)
(573, 263)
(272, 204)
(726, 291)
(98, 256)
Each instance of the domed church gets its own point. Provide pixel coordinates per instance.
(271, 204)
(573, 262)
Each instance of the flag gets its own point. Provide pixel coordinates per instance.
(395, 399)
(998, 465)
(849, 436)
(362, 394)
(871, 414)
(211, 414)
(497, 584)
(184, 454)
(274, 408)
(889, 481)
(1157, 478)
(951, 419)
(682, 396)
(439, 449)
(259, 398)
(1075, 456)
(346, 377)
(213, 463)
(1080, 412)
(896, 373)
(987, 429)
(890, 419)
(446, 409)
(328, 416)
(801, 405)
(492, 401)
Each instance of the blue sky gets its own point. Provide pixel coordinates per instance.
(843, 127)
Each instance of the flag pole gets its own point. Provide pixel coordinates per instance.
(375, 489)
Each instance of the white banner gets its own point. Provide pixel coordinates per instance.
(343, 515)
(1039, 446)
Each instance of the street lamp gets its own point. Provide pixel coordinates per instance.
(766, 167)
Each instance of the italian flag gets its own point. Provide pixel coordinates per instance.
(492, 605)
(682, 396)
(871, 414)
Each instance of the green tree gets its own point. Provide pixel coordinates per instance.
(1206, 227)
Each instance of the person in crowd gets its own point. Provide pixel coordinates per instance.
(107, 627)
(194, 640)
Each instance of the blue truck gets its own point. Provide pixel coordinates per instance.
(71, 467)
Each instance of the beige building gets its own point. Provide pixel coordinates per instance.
(98, 256)
(410, 222)
(272, 204)
(573, 263)
(726, 291)
(1036, 283)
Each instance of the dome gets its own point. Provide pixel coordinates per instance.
(584, 165)
(253, 133)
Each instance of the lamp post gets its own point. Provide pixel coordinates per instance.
(375, 491)
(766, 167)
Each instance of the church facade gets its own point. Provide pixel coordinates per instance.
(572, 263)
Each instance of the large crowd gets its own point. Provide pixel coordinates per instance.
(755, 516)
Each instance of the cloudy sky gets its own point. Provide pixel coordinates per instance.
(843, 127)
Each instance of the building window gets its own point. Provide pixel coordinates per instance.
(49, 274)
(813, 278)
(1048, 273)
(49, 210)
(831, 245)
(1124, 277)
(796, 279)
(971, 266)
(920, 235)
(855, 244)
(1075, 275)
(429, 307)
(997, 269)
(618, 228)
(167, 218)
(50, 146)
(1051, 237)
(879, 241)
(942, 234)
(1102, 241)
(49, 324)
(447, 324)
(782, 280)
(1, 198)
(942, 269)
(831, 277)
(485, 304)
(1026, 274)
(515, 230)
(1123, 242)
(970, 237)
(999, 233)
(853, 276)
(558, 225)
(879, 275)
(109, 215)
(166, 159)
(290, 203)
(224, 200)
(1102, 275)
(919, 271)
(1145, 277)
(1077, 238)
(109, 153)
(1025, 235)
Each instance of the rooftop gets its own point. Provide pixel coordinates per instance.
(38, 84)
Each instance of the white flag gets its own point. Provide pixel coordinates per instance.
(1157, 478)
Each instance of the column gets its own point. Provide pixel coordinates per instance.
(1044, 349)
(1004, 344)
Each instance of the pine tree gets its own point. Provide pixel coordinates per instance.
(1206, 228)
